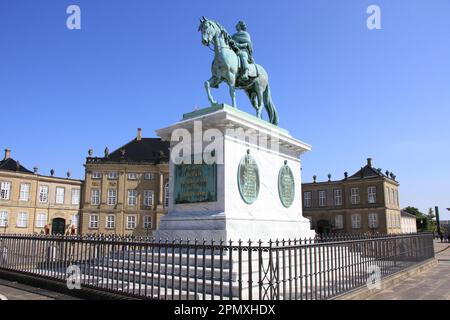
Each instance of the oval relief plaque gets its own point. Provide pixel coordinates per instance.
(248, 179)
(286, 185)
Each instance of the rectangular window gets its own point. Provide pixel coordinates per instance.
(112, 197)
(22, 220)
(149, 176)
(24, 192)
(43, 194)
(147, 222)
(41, 220)
(96, 175)
(132, 197)
(110, 222)
(322, 198)
(372, 194)
(75, 196)
(148, 198)
(74, 220)
(354, 192)
(356, 221)
(132, 176)
(3, 218)
(387, 195)
(113, 175)
(373, 220)
(131, 222)
(95, 197)
(60, 195)
(5, 189)
(339, 222)
(93, 221)
(338, 197)
(307, 199)
(391, 196)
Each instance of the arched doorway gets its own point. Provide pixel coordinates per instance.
(58, 226)
(323, 227)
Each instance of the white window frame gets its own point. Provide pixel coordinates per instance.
(373, 220)
(43, 194)
(356, 221)
(132, 196)
(372, 194)
(131, 222)
(149, 198)
(355, 198)
(149, 176)
(93, 221)
(22, 220)
(4, 219)
(339, 221)
(132, 176)
(113, 175)
(307, 197)
(110, 221)
(95, 197)
(24, 193)
(5, 190)
(58, 199)
(96, 175)
(112, 197)
(75, 220)
(322, 198)
(41, 219)
(148, 222)
(76, 196)
(338, 197)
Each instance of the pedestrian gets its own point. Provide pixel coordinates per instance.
(442, 237)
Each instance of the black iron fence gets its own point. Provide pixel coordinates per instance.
(305, 269)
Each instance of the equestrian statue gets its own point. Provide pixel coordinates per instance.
(233, 63)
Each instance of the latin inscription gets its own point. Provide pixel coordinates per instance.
(195, 183)
(248, 179)
(286, 185)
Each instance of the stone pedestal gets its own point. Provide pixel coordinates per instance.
(236, 206)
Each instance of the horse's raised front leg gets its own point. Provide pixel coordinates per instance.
(208, 84)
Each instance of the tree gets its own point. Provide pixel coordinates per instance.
(424, 222)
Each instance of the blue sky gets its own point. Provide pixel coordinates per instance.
(351, 92)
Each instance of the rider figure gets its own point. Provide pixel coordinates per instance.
(245, 47)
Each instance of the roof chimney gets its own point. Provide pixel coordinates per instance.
(139, 134)
(7, 154)
(369, 162)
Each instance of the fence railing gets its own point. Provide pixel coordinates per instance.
(305, 269)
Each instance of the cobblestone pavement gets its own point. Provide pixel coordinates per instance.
(431, 284)
(16, 291)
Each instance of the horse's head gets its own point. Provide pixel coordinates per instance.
(209, 29)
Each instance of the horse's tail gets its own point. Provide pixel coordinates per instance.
(270, 107)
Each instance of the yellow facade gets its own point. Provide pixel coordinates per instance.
(31, 205)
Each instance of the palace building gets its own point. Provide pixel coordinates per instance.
(126, 191)
(31, 203)
(367, 201)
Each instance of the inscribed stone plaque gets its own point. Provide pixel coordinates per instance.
(195, 183)
(248, 179)
(286, 185)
